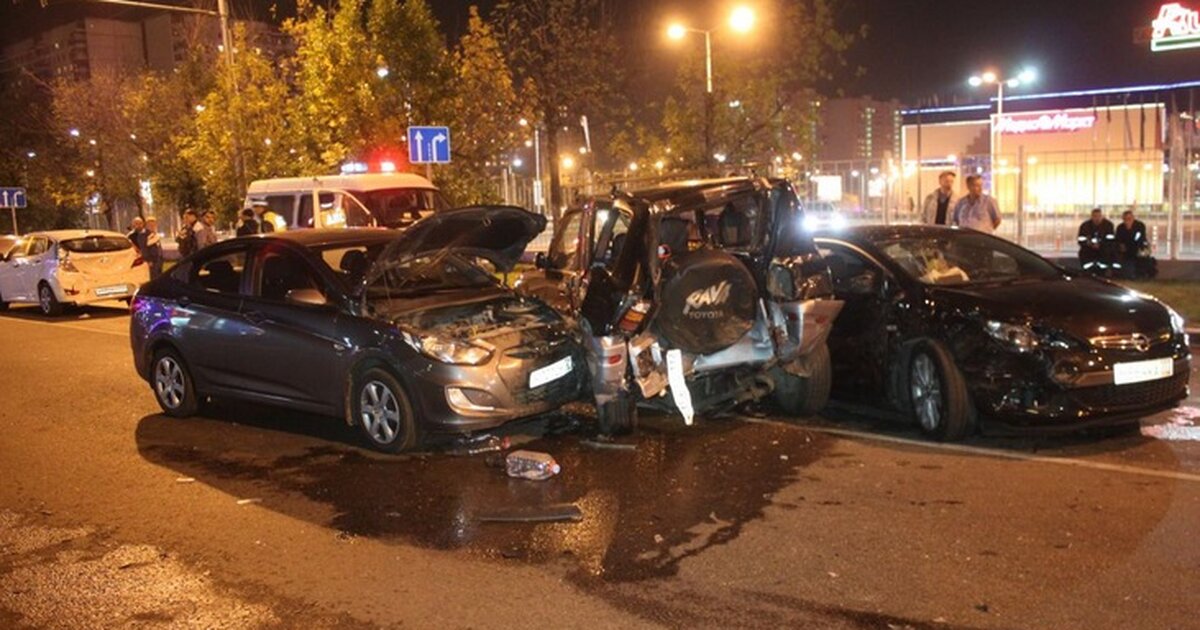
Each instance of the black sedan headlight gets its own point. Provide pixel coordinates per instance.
(1178, 325)
(450, 351)
(1018, 337)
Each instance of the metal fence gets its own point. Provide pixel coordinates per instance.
(1043, 198)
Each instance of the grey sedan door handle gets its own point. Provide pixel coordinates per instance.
(255, 317)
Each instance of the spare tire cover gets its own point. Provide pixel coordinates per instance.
(707, 301)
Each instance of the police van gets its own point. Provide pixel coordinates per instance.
(387, 199)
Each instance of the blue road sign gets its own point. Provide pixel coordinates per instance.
(429, 145)
(12, 197)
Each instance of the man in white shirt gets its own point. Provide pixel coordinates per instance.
(977, 210)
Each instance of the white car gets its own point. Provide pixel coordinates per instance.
(60, 267)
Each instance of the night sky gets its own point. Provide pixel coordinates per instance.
(915, 49)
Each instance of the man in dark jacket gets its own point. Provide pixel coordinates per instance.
(249, 224)
(1095, 243)
(186, 238)
(1133, 247)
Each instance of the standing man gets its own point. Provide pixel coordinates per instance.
(977, 210)
(205, 230)
(1095, 243)
(137, 234)
(186, 237)
(152, 251)
(1132, 247)
(249, 224)
(940, 203)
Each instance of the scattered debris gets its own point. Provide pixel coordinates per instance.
(658, 539)
(483, 443)
(248, 501)
(783, 457)
(982, 607)
(533, 465)
(533, 514)
(344, 536)
(833, 575)
(185, 480)
(608, 445)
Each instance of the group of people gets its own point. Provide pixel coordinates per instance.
(1123, 251)
(1103, 250)
(197, 232)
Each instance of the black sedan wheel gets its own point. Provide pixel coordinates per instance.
(938, 392)
(382, 411)
(172, 385)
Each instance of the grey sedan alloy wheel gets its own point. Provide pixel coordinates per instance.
(172, 384)
(381, 409)
(169, 385)
(379, 412)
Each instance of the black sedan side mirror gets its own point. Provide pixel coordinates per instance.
(541, 261)
(312, 297)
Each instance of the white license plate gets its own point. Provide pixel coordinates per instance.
(118, 289)
(550, 373)
(1142, 371)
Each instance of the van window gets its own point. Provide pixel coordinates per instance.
(284, 206)
(304, 218)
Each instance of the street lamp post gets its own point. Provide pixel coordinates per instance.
(1024, 77)
(741, 20)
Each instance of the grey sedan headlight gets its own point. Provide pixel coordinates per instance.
(447, 350)
(1017, 336)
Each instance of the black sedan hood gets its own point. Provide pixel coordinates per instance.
(1082, 307)
(498, 234)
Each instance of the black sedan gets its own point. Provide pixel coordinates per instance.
(957, 326)
(400, 334)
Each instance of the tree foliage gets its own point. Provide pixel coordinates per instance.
(567, 50)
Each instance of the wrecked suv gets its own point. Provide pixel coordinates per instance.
(695, 296)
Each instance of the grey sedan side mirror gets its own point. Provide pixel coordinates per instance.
(311, 297)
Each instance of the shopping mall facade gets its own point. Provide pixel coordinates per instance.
(1050, 158)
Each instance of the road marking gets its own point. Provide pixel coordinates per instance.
(991, 452)
(65, 325)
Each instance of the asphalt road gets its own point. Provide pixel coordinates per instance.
(112, 515)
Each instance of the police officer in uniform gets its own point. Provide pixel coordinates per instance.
(1096, 240)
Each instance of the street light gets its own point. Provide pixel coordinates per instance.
(1023, 77)
(741, 20)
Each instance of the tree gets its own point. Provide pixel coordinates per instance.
(408, 42)
(245, 116)
(485, 110)
(567, 50)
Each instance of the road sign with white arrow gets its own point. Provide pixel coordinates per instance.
(12, 197)
(429, 145)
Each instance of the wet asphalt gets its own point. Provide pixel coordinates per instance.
(112, 515)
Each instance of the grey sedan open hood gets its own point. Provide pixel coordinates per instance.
(498, 234)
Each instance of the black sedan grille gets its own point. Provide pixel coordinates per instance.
(1134, 395)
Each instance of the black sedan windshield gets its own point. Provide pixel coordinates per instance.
(959, 258)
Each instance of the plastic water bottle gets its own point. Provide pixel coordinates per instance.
(531, 465)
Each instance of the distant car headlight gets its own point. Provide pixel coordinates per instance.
(1017, 336)
(837, 221)
(811, 223)
(449, 351)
